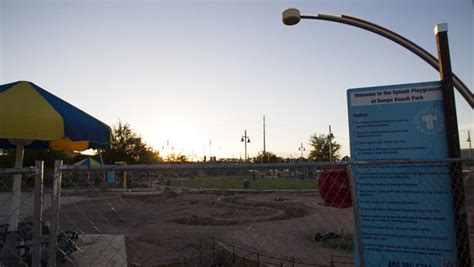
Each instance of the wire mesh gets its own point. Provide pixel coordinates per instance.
(17, 208)
(199, 214)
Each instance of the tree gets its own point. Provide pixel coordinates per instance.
(320, 148)
(176, 158)
(126, 145)
(267, 157)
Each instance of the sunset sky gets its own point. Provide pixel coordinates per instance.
(186, 72)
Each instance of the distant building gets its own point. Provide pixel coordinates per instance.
(230, 160)
(295, 160)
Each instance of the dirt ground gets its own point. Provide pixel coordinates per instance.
(195, 227)
(200, 227)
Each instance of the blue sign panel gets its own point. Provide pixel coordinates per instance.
(405, 211)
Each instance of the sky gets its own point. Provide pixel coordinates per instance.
(192, 76)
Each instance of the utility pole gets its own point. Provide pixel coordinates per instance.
(246, 140)
(264, 149)
(330, 136)
(210, 149)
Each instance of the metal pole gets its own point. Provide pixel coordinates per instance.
(233, 254)
(16, 189)
(330, 144)
(264, 148)
(104, 177)
(245, 143)
(454, 149)
(37, 214)
(200, 251)
(9, 250)
(213, 251)
(52, 246)
(124, 181)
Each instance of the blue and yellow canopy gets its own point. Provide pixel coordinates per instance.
(28, 112)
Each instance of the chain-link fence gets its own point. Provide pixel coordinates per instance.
(223, 214)
(20, 215)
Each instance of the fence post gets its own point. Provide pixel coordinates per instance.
(124, 181)
(233, 254)
(355, 207)
(200, 251)
(53, 239)
(258, 259)
(454, 149)
(16, 191)
(9, 248)
(213, 252)
(37, 213)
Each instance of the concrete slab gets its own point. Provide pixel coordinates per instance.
(101, 250)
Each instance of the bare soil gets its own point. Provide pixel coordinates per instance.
(198, 228)
(194, 227)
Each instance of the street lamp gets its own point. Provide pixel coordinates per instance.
(246, 140)
(301, 149)
(442, 64)
(292, 16)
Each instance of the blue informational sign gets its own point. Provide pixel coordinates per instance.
(405, 212)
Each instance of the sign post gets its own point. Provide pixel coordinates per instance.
(454, 150)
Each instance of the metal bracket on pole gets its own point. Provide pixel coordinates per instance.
(53, 237)
(37, 213)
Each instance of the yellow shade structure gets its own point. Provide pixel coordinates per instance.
(31, 117)
(28, 112)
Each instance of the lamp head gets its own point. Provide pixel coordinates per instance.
(291, 16)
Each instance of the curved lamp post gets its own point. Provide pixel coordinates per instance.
(246, 140)
(292, 16)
